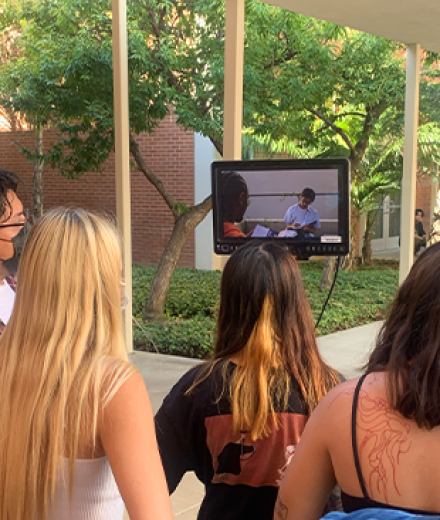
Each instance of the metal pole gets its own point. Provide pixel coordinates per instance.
(122, 152)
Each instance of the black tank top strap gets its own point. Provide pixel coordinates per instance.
(353, 436)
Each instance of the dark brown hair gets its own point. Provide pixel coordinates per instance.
(408, 346)
(233, 186)
(265, 322)
(8, 181)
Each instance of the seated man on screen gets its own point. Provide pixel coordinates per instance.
(302, 219)
(234, 204)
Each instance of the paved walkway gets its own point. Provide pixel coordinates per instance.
(346, 351)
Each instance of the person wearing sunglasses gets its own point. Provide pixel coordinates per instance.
(12, 233)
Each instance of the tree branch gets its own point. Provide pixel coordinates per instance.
(343, 114)
(205, 206)
(218, 145)
(336, 128)
(151, 177)
(289, 56)
(373, 113)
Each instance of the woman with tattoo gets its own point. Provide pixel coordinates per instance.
(378, 437)
(236, 420)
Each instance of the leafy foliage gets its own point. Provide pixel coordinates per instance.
(359, 297)
(63, 77)
(192, 293)
(190, 338)
(311, 88)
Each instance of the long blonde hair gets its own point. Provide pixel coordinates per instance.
(62, 355)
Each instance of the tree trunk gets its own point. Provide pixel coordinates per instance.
(367, 258)
(350, 259)
(327, 273)
(184, 225)
(37, 194)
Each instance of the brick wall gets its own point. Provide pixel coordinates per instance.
(169, 152)
(423, 198)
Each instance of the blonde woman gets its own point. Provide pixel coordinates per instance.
(76, 425)
(236, 419)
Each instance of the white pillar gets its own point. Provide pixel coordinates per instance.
(234, 51)
(122, 152)
(233, 102)
(409, 159)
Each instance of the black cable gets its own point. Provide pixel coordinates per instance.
(330, 291)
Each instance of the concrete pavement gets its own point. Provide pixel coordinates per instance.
(346, 351)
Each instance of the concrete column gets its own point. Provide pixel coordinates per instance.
(409, 159)
(234, 51)
(122, 152)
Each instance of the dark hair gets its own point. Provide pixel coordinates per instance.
(258, 273)
(309, 193)
(408, 346)
(418, 210)
(233, 185)
(8, 181)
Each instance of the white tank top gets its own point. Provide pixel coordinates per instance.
(95, 493)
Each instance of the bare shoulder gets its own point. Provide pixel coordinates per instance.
(115, 373)
(340, 398)
(130, 391)
(340, 395)
(123, 402)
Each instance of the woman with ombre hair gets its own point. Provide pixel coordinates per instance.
(76, 425)
(235, 420)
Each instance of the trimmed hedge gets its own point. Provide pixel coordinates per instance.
(359, 297)
(192, 293)
(190, 338)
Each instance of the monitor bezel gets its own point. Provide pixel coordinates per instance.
(302, 249)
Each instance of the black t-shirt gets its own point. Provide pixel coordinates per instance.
(419, 229)
(241, 476)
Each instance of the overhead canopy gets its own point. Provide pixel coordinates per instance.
(406, 21)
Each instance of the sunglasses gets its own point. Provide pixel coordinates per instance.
(24, 213)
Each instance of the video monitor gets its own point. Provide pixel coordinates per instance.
(301, 203)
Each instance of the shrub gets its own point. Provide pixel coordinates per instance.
(192, 293)
(191, 338)
(359, 297)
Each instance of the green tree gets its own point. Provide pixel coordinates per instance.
(314, 86)
(338, 92)
(54, 82)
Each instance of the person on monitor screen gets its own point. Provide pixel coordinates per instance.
(234, 204)
(302, 218)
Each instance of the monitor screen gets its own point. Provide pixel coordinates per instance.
(303, 204)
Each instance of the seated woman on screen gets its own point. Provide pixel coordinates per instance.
(378, 437)
(235, 200)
